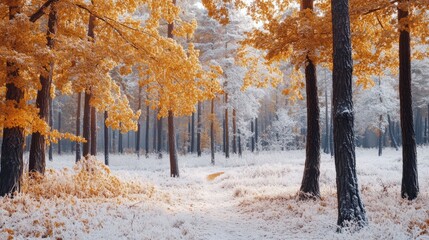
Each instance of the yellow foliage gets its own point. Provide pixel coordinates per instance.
(89, 178)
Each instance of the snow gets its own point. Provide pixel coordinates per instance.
(255, 198)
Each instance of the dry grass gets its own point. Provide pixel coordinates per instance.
(213, 176)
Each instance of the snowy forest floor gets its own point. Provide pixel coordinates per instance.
(255, 198)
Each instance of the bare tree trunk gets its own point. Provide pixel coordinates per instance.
(380, 137)
(79, 99)
(147, 132)
(120, 142)
(174, 167)
(199, 129)
(234, 131)
(350, 206)
(155, 127)
(256, 135)
(159, 145)
(13, 138)
(113, 141)
(86, 124)
(226, 127)
(37, 161)
(59, 130)
(106, 140)
(51, 126)
(252, 130)
(410, 184)
(212, 137)
(192, 132)
(391, 133)
(93, 131)
(327, 121)
(138, 124)
(239, 143)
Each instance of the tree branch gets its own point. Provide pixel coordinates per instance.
(39, 13)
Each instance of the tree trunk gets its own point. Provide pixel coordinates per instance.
(380, 136)
(310, 180)
(192, 132)
(174, 167)
(37, 161)
(331, 135)
(86, 124)
(147, 132)
(159, 145)
(13, 138)
(51, 126)
(426, 131)
(79, 98)
(256, 135)
(113, 141)
(239, 143)
(139, 125)
(391, 133)
(252, 130)
(226, 127)
(93, 131)
(410, 184)
(155, 127)
(188, 141)
(234, 131)
(350, 206)
(106, 140)
(418, 124)
(212, 137)
(199, 129)
(120, 142)
(327, 139)
(59, 130)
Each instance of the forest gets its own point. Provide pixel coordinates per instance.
(214, 119)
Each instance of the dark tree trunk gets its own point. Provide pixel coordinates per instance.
(113, 141)
(78, 154)
(234, 131)
(188, 142)
(252, 130)
(159, 145)
(155, 127)
(147, 132)
(86, 124)
(120, 142)
(37, 161)
(199, 129)
(51, 126)
(350, 206)
(426, 131)
(93, 131)
(174, 167)
(331, 137)
(128, 140)
(13, 138)
(59, 130)
(212, 137)
(256, 135)
(106, 140)
(192, 132)
(310, 180)
(223, 135)
(391, 133)
(327, 139)
(226, 127)
(410, 184)
(380, 136)
(239, 143)
(139, 125)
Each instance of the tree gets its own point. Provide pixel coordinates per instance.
(350, 206)
(410, 185)
(37, 159)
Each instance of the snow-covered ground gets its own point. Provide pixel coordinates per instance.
(253, 199)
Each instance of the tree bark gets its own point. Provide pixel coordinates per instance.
(59, 130)
(192, 132)
(106, 140)
(93, 131)
(212, 137)
(174, 167)
(226, 127)
(239, 143)
(410, 184)
(234, 131)
(159, 138)
(138, 124)
(327, 139)
(79, 98)
(155, 127)
(199, 129)
(256, 135)
(380, 136)
(120, 142)
(51, 126)
(13, 138)
(391, 133)
(252, 130)
(86, 124)
(310, 180)
(147, 132)
(37, 158)
(350, 206)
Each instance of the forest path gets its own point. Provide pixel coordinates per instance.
(208, 210)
